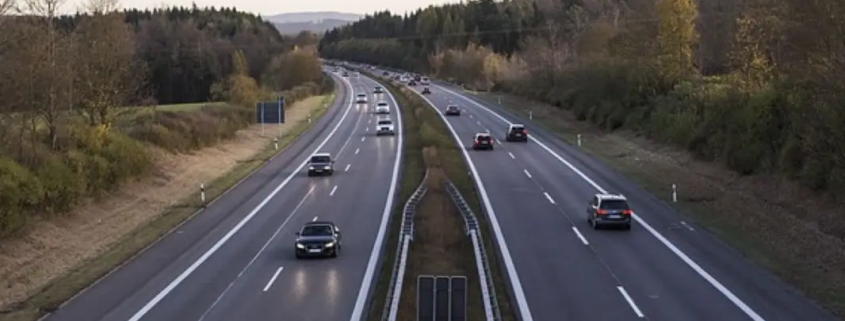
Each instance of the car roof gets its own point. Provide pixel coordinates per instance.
(482, 134)
(612, 197)
(517, 125)
(385, 119)
(321, 154)
(450, 106)
(319, 223)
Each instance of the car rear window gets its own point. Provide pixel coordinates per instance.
(316, 230)
(484, 138)
(517, 128)
(384, 122)
(614, 205)
(320, 159)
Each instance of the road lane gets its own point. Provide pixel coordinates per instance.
(560, 271)
(327, 289)
(216, 265)
(660, 281)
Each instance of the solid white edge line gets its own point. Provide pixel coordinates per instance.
(516, 285)
(334, 189)
(273, 279)
(549, 197)
(188, 271)
(367, 281)
(580, 236)
(691, 263)
(527, 173)
(630, 301)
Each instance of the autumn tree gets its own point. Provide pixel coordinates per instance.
(238, 88)
(676, 37)
(293, 68)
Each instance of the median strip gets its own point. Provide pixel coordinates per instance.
(440, 245)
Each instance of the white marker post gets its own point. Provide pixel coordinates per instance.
(276, 142)
(674, 193)
(202, 194)
(531, 115)
(309, 118)
(579, 140)
(500, 100)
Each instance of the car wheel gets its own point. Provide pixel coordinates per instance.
(627, 227)
(334, 253)
(594, 223)
(310, 174)
(297, 255)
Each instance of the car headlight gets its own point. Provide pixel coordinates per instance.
(330, 244)
(326, 167)
(310, 167)
(300, 246)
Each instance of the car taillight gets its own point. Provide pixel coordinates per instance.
(627, 212)
(601, 212)
(524, 132)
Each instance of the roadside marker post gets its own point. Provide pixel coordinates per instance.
(579, 140)
(276, 142)
(674, 193)
(202, 194)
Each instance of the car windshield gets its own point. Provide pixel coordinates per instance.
(384, 122)
(320, 159)
(362, 95)
(452, 107)
(614, 205)
(382, 104)
(316, 230)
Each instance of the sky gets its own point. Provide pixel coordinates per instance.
(270, 7)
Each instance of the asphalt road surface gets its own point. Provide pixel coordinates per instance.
(235, 260)
(662, 269)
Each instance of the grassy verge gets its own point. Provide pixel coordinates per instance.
(63, 288)
(790, 250)
(418, 117)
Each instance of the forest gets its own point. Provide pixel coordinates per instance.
(753, 84)
(68, 85)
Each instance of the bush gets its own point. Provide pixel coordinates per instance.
(20, 192)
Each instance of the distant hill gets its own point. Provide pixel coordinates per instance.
(318, 22)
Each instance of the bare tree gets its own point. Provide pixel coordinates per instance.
(107, 75)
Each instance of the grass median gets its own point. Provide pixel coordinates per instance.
(440, 246)
(65, 287)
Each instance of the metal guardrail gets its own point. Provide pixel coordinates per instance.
(394, 290)
(488, 291)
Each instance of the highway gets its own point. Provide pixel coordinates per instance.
(561, 269)
(235, 260)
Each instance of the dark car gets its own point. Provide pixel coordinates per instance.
(426, 90)
(378, 90)
(516, 133)
(345, 74)
(452, 110)
(482, 141)
(319, 238)
(320, 164)
(412, 83)
(386, 74)
(610, 210)
(417, 77)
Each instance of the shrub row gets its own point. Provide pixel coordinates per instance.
(37, 180)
